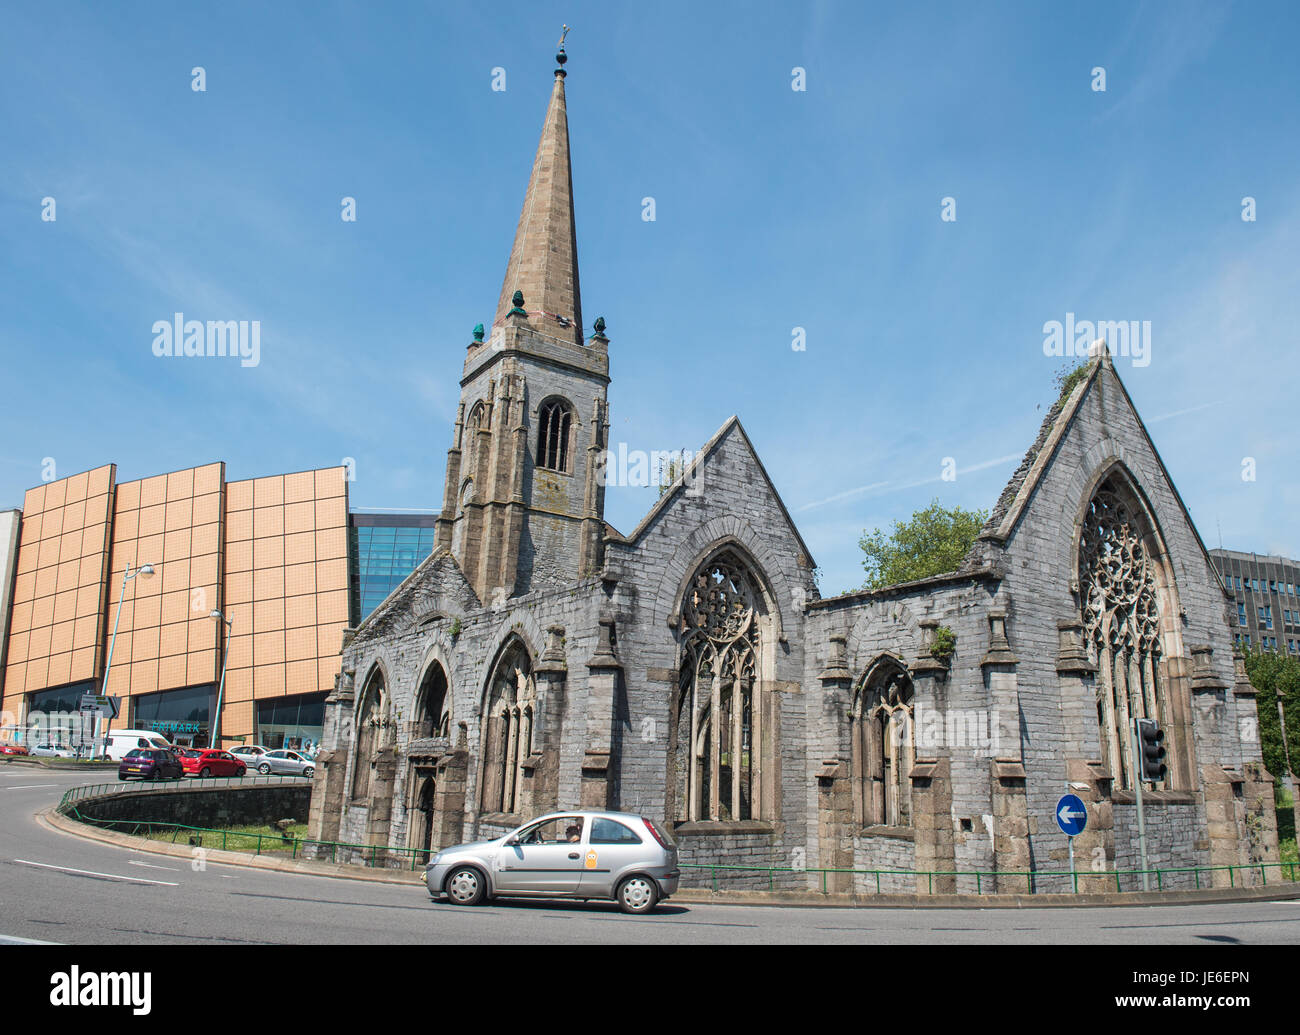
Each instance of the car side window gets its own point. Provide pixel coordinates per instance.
(610, 832)
(559, 831)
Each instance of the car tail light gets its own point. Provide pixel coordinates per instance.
(654, 830)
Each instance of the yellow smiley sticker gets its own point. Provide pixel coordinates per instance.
(591, 860)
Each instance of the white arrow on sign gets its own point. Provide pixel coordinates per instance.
(1066, 815)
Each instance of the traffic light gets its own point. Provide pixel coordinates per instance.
(1151, 751)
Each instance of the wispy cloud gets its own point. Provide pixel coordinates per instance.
(881, 488)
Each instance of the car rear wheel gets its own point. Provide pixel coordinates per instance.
(120, 776)
(637, 895)
(264, 768)
(205, 771)
(465, 887)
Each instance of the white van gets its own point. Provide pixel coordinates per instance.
(122, 741)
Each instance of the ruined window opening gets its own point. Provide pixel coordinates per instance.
(1121, 616)
(508, 722)
(369, 722)
(717, 768)
(435, 703)
(884, 749)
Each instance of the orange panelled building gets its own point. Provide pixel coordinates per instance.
(270, 554)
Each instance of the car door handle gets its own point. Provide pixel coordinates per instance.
(574, 855)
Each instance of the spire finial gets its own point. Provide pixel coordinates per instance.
(562, 57)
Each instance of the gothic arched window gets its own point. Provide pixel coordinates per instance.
(434, 703)
(719, 717)
(1118, 585)
(370, 718)
(508, 728)
(554, 420)
(883, 746)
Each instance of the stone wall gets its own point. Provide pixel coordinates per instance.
(214, 808)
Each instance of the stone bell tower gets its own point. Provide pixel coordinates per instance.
(524, 501)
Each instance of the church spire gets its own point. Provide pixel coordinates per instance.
(544, 260)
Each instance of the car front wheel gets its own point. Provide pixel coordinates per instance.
(637, 895)
(309, 772)
(465, 887)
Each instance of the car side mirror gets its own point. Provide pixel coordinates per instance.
(513, 841)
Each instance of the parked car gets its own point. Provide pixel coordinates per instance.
(119, 742)
(211, 762)
(583, 855)
(13, 749)
(52, 751)
(249, 753)
(151, 764)
(286, 763)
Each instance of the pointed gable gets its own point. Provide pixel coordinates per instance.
(696, 475)
(435, 588)
(1133, 445)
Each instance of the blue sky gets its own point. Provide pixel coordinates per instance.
(775, 209)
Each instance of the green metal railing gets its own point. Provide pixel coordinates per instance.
(382, 855)
(103, 790)
(1034, 879)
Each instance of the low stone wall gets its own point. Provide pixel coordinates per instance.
(738, 844)
(214, 807)
(880, 852)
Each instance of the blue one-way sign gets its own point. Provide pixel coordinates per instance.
(1071, 815)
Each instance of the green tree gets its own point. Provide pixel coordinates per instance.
(1276, 676)
(932, 541)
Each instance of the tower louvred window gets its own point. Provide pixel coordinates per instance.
(554, 424)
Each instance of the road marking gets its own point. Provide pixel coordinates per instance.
(9, 939)
(153, 866)
(94, 873)
(25, 786)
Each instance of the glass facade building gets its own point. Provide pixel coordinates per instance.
(270, 554)
(295, 723)
(383, 549)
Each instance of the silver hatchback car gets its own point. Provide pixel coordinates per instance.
(581, 854)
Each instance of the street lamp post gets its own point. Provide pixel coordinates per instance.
(145, 570)
(215, 740)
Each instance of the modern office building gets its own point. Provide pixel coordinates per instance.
(152, 560)
(383, 549)
(1266, 594)
(10, 521)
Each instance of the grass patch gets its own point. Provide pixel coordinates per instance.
(246, 838)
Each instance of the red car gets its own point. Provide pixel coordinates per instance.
(12, 749)
(211, 762)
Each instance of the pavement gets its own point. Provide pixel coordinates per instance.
(58, 886)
